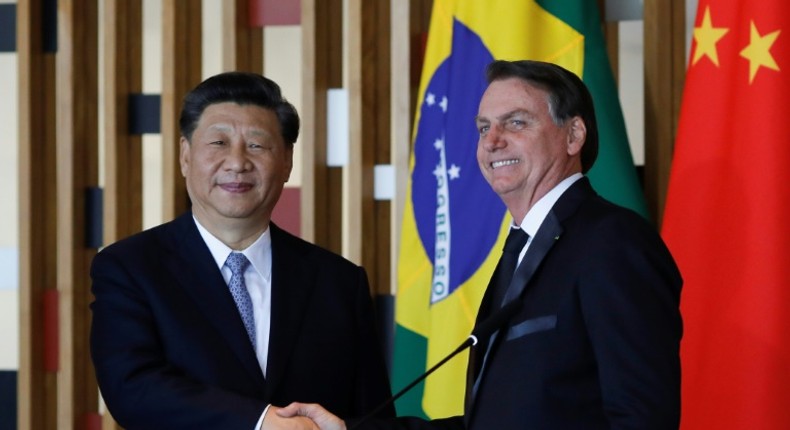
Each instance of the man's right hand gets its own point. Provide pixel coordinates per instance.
(275, 421)
(320, 416)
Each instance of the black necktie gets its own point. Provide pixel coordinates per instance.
(503, 274)
(515, 241)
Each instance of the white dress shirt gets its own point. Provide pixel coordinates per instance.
(257, 277)
(538, 213)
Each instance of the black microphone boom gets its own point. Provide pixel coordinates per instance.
(483, 330)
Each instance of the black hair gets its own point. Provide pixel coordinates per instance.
(242, 88)
(568, 96)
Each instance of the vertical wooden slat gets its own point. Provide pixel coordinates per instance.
(123, 189)
(357, 60)
(181, 71)
(321, 70)
(77, 170)
(409, 24)
(312, 128)
(365, 221)
(242, 45)
(122, 57)
(664, 50)
(381, 31)
(367, 60)
(36, 388)
(401, 105)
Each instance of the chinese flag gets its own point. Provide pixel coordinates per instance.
(727, 219)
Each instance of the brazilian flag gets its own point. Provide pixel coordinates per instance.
(454, 224)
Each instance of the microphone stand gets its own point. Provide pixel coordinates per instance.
(485, 329)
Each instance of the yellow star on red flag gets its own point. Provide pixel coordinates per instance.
(758, 52)
(707, 36)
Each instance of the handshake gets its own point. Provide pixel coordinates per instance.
(299, 416)
(313, 416)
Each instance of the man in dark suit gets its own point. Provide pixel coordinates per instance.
(205, 321)
(595, 341)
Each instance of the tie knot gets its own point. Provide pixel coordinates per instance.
(237, 263)
(516, 240)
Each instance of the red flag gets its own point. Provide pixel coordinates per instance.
(727, 218)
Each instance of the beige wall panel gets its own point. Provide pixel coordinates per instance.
(9, 216)
(282, 49)
(8, 149)
(152, 143)
(9, 329)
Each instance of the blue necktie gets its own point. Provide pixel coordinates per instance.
(238, 263)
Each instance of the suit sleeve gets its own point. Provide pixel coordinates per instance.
(141, 389)
(630, 293)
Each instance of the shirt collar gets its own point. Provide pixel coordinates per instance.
(534, 218)
(257, 253)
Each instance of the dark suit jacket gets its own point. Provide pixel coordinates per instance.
(171, 351)
(595, 344)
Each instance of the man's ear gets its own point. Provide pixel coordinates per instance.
(183, 156)
(577, 135)
(289, 162)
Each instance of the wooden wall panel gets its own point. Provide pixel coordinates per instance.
(357, 224)
(401, 105)
(366, 226)
(181, 71)
(409, 22)
(36, 387)
(122, 23)
(77, 170)
(312, 129)
(380, 98)
(242, 44)
(665, 68)
(122, 57)
(322, 68)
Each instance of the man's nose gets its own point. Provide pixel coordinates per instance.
(237, 159)
(493, 139)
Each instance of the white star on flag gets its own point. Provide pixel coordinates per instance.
(454, 172)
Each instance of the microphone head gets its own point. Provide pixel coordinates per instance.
(497, 320)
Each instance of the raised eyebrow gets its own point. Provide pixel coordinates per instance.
(508, 115)
(220, 127)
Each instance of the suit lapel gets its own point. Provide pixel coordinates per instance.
(195, 269)
(548, 234)
(293, 281)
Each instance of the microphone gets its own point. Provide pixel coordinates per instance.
(483, 330)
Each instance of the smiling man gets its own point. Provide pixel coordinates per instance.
(207, 320)
(595, 341)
